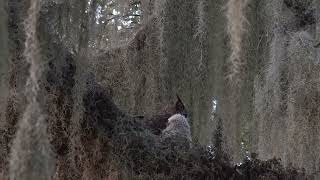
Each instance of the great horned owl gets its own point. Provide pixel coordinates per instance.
(157, 123)
(177, 132)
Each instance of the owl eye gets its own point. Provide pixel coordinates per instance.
(185, 114)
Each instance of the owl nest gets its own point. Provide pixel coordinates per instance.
(131, 147)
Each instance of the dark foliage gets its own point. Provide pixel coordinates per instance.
(303, 11)
(272, 169)
(58, 85)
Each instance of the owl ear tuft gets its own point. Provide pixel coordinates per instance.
(180, 108)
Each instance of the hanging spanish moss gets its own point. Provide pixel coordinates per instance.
(88, 88)
(31, 155)
(236, 27)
